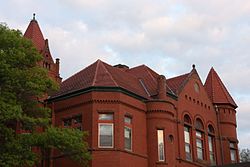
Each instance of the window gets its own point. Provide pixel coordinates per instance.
(187, 137)
(211, 145)
(233, 150)
(106, 117)
(199, 139)
(105, 131)
(199, 145)
(128, 133)
(105, 135)
(187, 143)
(73, 122)
(160, 138)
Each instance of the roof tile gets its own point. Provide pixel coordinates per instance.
(216, 90)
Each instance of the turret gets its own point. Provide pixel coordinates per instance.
(161, 127)
(34, 33)
(225, 108)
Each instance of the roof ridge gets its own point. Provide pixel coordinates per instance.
(178, 76)
(109, 74)
(79, 72)
(94, 80)
(147, 68)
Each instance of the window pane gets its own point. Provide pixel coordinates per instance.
(199, 153)
(128, 138)
(233, 155)
(160, 145)
(198, 143)
(127, 120)
(210, 143)
(105, 116)
(106, 135)
(187, 137)
(198, 134)
(187, 148)
(232, 145)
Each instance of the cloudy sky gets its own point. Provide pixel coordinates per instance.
(167, 35)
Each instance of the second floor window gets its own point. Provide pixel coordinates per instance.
(187, 143)
(211, 145)
(199, 145)
(128, 133)
(199, 139)
(73, 122)
(105, 131)
(187, 137)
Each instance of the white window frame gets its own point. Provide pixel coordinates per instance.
(112, 125)
(130, 140)
(159, 157)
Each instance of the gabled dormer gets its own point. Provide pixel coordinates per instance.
(34, 33)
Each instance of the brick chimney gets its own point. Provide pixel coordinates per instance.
(161, 87)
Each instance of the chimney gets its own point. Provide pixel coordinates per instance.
(121, 66)
(162, 87)
(57, 65)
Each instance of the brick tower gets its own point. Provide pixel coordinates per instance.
(226, 114)
(34, 33)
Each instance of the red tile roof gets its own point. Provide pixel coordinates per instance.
(147, 77)
(216, 90)
(104, 75)
(176, 83)
(34, 33)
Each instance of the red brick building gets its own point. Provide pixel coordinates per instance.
(138, 118)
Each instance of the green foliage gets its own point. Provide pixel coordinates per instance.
(22, 84)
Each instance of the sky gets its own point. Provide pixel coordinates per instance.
(166, 35)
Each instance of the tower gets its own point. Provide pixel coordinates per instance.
(161, 127)
(226, 116)
(34, 33)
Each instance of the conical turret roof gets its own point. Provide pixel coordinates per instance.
(34, 33)
(216, 89)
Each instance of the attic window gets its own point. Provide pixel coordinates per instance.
(196, 87)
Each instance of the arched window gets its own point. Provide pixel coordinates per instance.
(211, 144)
(199, 124)
(187, 137)
(199, 139)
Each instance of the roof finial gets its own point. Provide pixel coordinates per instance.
(193, 66)
(34, 16)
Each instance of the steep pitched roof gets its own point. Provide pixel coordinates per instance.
(147, 77)
(216, 90)
(104, 75)
(34, 33)
(177, 82)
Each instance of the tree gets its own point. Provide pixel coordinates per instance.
(22, 83)
(245, 155)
